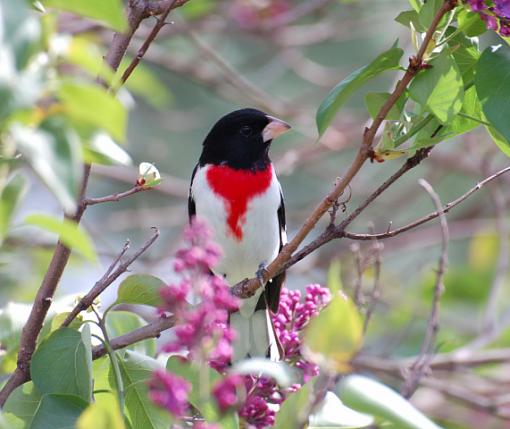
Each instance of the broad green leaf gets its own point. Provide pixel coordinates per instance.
(439, 89)
(108, 12)
(3, 422)
(69, 233)
(93, 105)
(103, 414)
(194, 375)
(429, 11)
(335, 335)
(140, 289)
(459, 125)
(121, 322)
(408, 18)
(294, 411)
(58, 412)
(329, 107)
(492, 82)
(502, 143)
(369, 396)
(63, 364)
(101, 368)
(136, 370)
(471, 23)
(332, 413)
(21, 406)
(10, 197)
(375, 100)
(279, 371)
(54, 153)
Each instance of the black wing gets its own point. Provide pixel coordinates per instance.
(191, 202)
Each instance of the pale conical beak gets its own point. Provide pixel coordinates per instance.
(275, 128)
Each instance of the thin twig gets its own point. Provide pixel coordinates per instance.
(248, 287)
(109, 277)
(115, 197)
(430, 216)
(422, 361)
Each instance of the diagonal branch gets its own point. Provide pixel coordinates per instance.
(109, 277)
(247, 287)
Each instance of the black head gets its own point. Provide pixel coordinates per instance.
(241, 139)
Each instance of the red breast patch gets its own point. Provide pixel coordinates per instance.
(237, 188)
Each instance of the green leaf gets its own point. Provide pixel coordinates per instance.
(101, 368)
(335, 278)
(471, 23)
(416, 4)
(21, 406)
(12, 319)
(332, 413)
(10, 197)
(375, 100)
(408, 18)
(192, 373)
(429, 11)
(140, 289)
(293, 412)
(369, 396)
(459, 125)
(102, 414)
(58, 412)
(63, 364)
(492, 82)
(335, 335)
(121, 322)
(439, 89)
(108, 12)
(502, 143)
(136, 370)
(54, 153)
(329, 107)
(279, 371)
(93, 105)
(69, 233)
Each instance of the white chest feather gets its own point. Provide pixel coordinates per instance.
(248, 240)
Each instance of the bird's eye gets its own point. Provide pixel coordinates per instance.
(246, 131)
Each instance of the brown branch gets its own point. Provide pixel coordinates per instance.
(109, 277)
(114, 197)
(159, 7)
(150, 38)
(247, 287)
(136, 13)
(151, 330)
(422, 361)
(427, 218)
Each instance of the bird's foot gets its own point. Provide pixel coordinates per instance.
(261, 272)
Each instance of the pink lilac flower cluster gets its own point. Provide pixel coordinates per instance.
(292, 317)
(201, 330)
(495, 13)
(252, 397)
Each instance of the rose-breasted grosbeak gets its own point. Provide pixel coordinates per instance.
(234, 187)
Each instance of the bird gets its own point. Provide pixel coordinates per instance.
(234, 188)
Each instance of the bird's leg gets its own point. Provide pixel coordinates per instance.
(260, 274)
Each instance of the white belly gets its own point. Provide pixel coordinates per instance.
(260, 229)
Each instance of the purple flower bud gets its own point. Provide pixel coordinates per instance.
(226, 392)
(169, 391)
